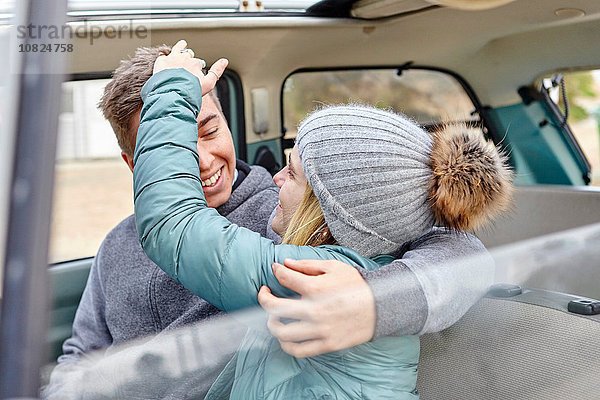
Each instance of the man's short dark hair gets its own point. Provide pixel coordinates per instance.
(122, 95)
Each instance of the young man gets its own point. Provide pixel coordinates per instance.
(128, 297)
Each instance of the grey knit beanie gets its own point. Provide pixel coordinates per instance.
(370, 170)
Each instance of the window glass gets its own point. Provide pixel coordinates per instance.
(425, 95)
(94, 7)
(583, 103)
(93, 186)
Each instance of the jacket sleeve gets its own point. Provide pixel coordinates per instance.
(215, 259)
(439, 277)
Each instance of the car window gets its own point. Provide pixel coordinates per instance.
(427, 96)
(583, 111)
(93, 186)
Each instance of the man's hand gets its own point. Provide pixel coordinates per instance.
(336, 310)
(182, 57)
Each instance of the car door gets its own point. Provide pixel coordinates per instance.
(32, 79)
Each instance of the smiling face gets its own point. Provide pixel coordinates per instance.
(292, 184)
(215, 150)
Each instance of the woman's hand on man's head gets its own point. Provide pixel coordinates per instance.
(182, 57)
(336, 310)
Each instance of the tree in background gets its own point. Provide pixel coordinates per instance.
(580, 86)
(426, 96)
(583, 95)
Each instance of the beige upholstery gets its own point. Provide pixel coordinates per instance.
(505, 349)
(543, 209)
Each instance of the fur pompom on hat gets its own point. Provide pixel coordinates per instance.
(381, 180)
(471, 182)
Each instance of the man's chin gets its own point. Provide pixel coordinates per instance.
(216, 200)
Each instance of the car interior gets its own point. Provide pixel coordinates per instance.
(484, 62)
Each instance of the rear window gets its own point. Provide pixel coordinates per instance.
(427, 96)
(582, 89)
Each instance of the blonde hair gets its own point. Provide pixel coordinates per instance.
(307, 226)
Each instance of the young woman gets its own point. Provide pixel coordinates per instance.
(360, 183)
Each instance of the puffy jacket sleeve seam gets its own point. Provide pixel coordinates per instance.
(224, 263)
(168, 144)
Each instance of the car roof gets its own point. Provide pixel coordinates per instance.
(496, 50)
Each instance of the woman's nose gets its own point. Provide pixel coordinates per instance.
(279, 178)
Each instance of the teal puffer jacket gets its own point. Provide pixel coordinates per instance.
(227, 265)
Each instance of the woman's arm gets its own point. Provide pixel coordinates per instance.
(215, 259)
(178, 231)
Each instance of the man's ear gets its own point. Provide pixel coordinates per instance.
(128, 160)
